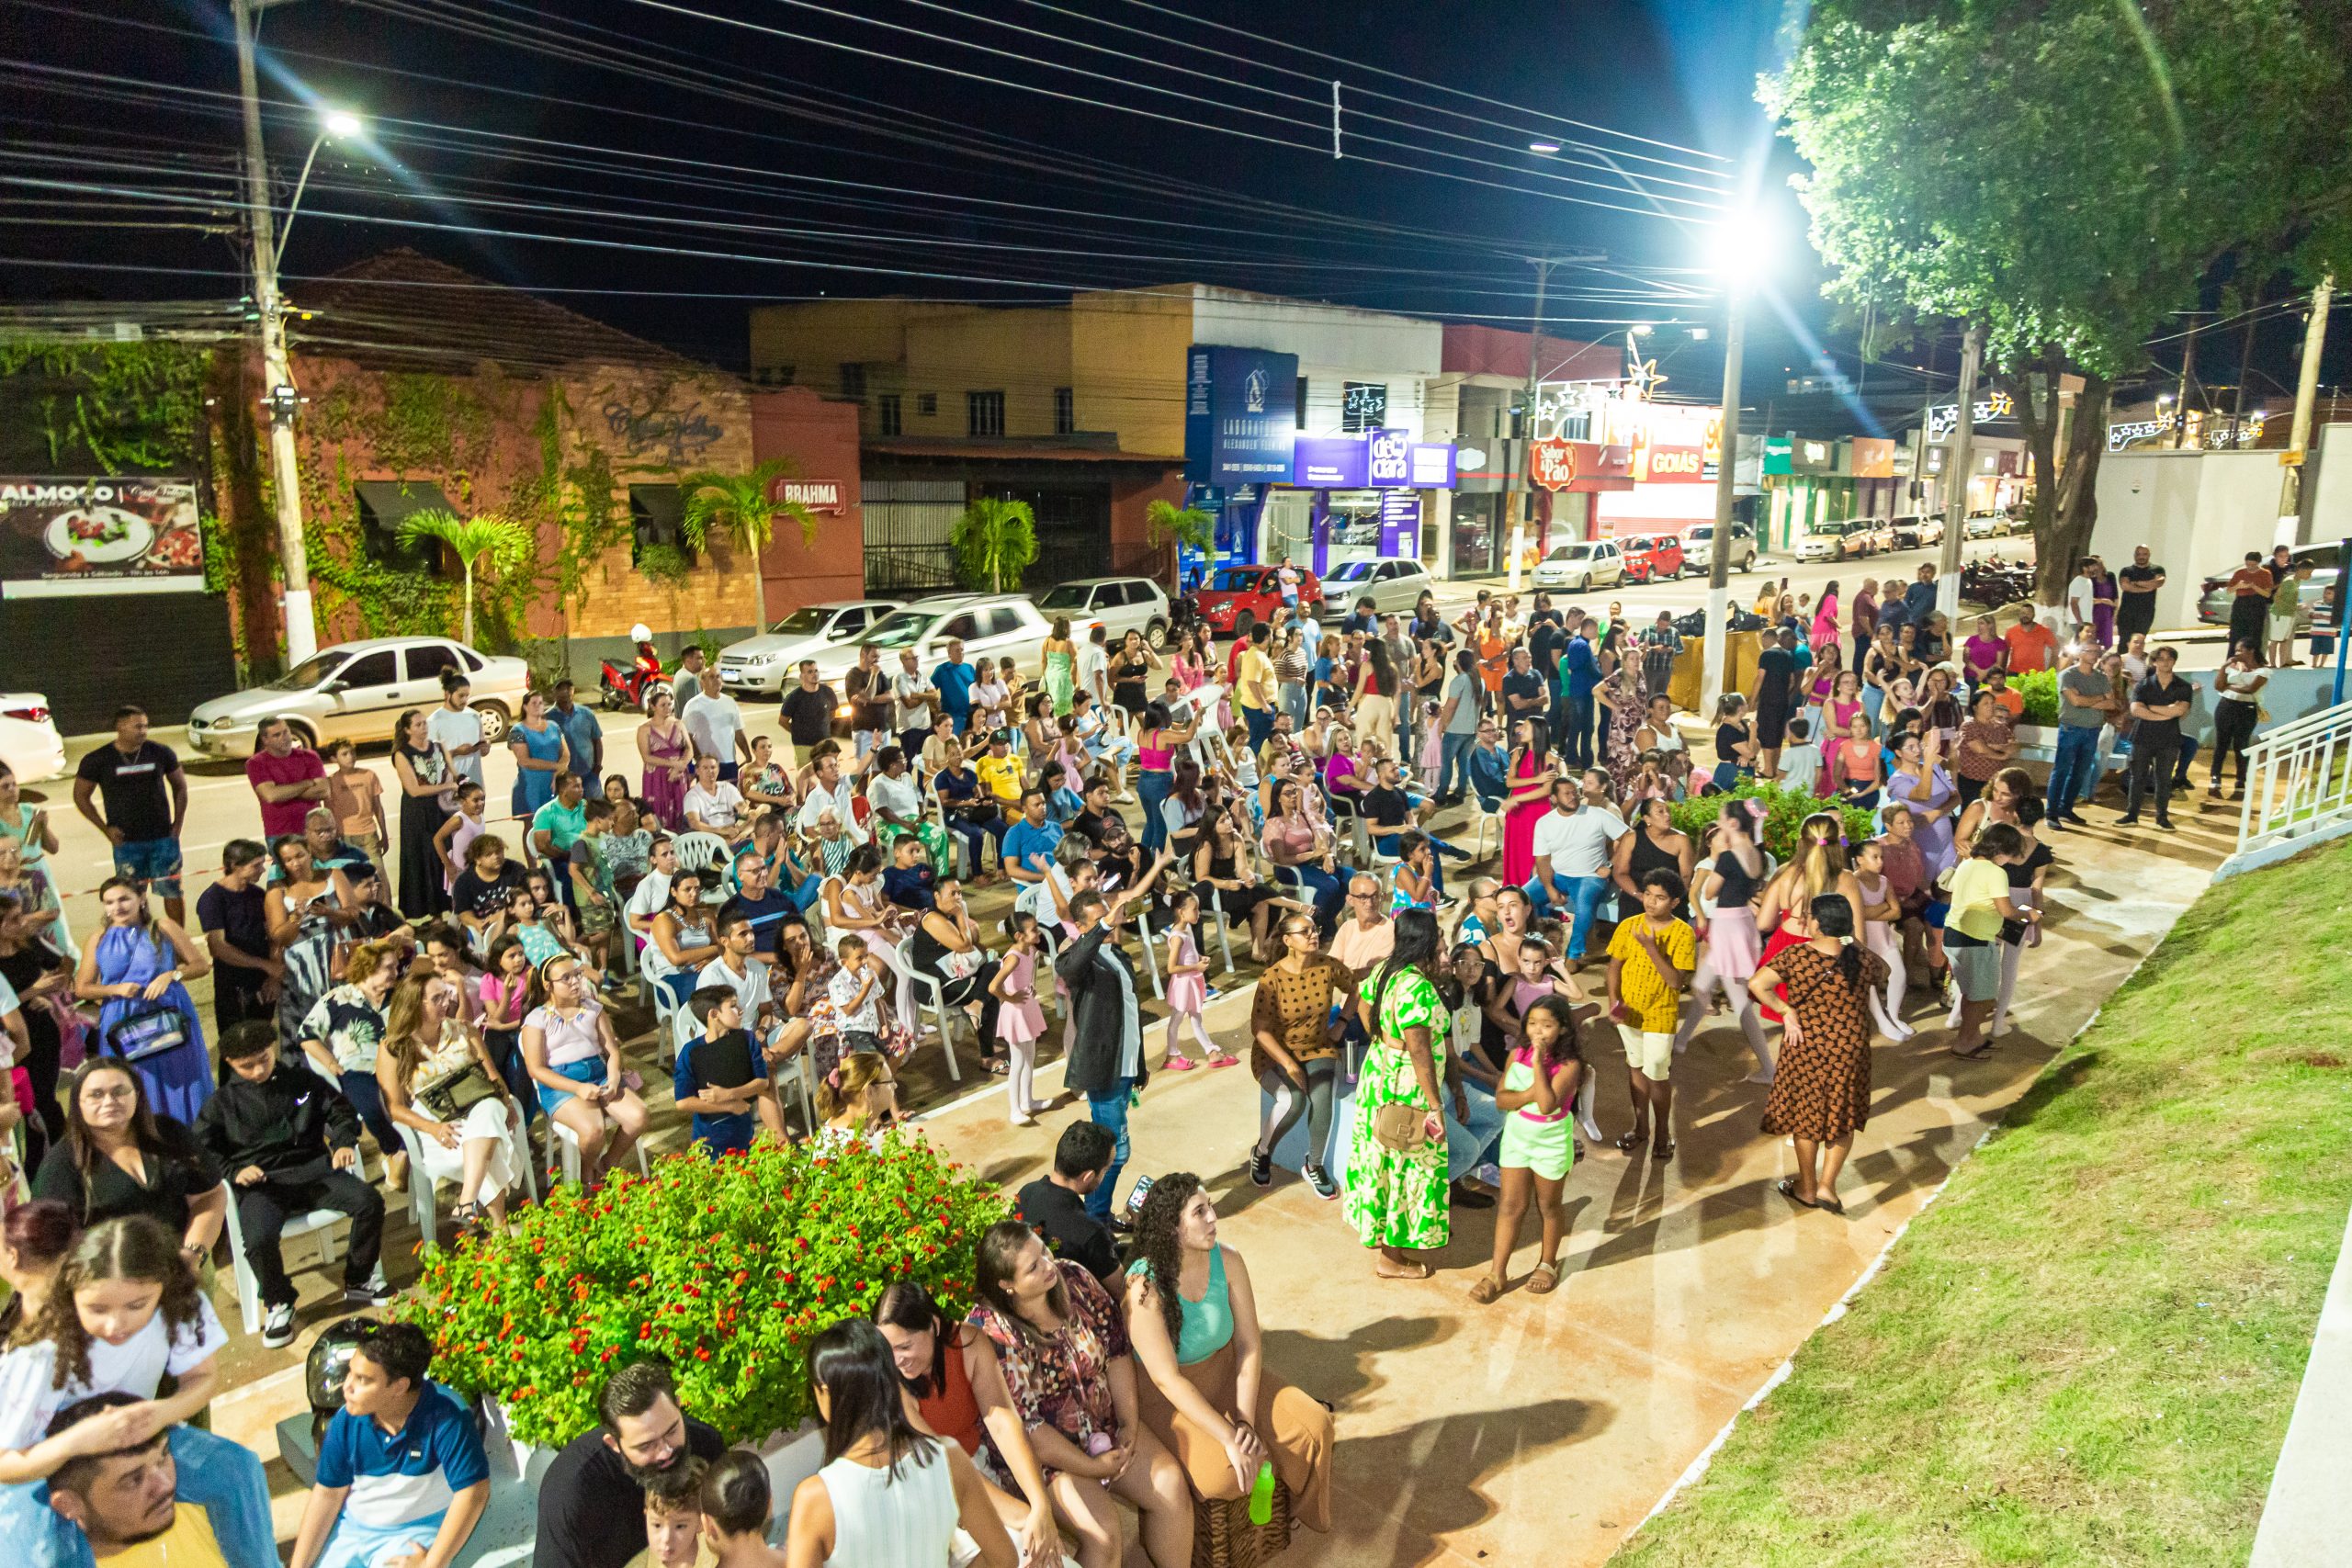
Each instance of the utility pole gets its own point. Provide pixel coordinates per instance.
(2246, 368)
(286, 478)
(1956, 467)
(2188, 373)
(1713, 661)
(2299, 435)
(1521, 484)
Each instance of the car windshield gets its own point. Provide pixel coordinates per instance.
(1354, 571)
(900, 628)
(1700, 535)
(1828, 528)
(1069, 597)
(1237, 580)
(310, 673)
(803, 623)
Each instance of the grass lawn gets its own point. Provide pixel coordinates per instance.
(2088, 1349)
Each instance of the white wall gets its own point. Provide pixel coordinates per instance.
(2332, 507)
(2200, 512)
(1335, 344)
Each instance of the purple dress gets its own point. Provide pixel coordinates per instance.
(178, 1081)
(666, 792)
(1934, 838)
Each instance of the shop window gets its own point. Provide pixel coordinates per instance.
(927, 405)
(853, 382)
(1302, 403)
(1065, 411)
(984, 413)
(1363, 405)
(384, 504)
(773, 375)
(656, 514)
(889, 418)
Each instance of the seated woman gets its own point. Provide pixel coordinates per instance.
(438, 1077)
(682, 938)
(117, 1158)
(573, 1057)
(1206, 1392)
(763, 782)
(898, 808)
(1071, 1373)
(954, 1389)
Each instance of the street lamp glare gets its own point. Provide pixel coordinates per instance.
(341, 123)
(1739, 249)
(1544, 147)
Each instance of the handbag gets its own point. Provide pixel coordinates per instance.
(1399, 1127)
(447, 1098)
(149, 1031)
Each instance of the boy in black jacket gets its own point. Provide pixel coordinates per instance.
(291, 1143)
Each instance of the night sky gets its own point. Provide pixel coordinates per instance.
(662, 164)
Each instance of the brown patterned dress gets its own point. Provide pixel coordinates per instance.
(1821, 1089)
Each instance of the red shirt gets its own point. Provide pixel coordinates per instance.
(2251, 579)
(298, 766)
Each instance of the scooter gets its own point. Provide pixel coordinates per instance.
(633, 687)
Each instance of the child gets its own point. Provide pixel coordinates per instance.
(1542, 1079)
(401, 1475)
(719, 1080)
(592, 886)
(1801, 759)
(1734, 742)
(1880, 915)
(505, 997)
(736, 1508)
(1020, 1021)
(1650, 960)
(357, 797)
(1535, 980)
(910, 879)
(1187, 990)
(456, 835)
(673, 1519)
(855, 991)
(291, 1143)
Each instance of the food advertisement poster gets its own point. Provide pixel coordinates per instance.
(64, 537)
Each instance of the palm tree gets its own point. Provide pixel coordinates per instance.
(744, 508)
(993, 540)
(1167, 523)
(505, 543)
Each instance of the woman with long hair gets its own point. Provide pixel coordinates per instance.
(1818, 869)
(1727, 886)
(1375, 696)
(27, 827)
(540, 753)
(1623, 699)
(1060, 665)
(34, 1240)
(1532, 772)
(954, 1389)
(1156, 741)
(1226, 875)
(1922, 787)
(858, 1101)
(1206, 1392)
(889, 1496)
(422, 770)
(1295, 1054)
(432, 1056)
(40, 975)
(1821, 1094)
(1070, 1369)
(119, 1158)
(136, 968)
(309, 911)
(1298, 839)
(668, 759)
(1396, 1163)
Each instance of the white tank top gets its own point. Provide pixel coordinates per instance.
(879, 1522)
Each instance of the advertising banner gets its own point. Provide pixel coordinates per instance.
(1388, 458)
(1582, 465)
(64, 537)
(1331, 462)
(1434, 466)
(1874, 457)
(1401, 523)
(1241, 415)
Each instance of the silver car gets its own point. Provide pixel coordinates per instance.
(1393, 586)
(988, 624)
(1122, 604)
(766, 664)
(357, 689)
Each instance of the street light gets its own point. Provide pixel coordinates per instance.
(1739, 249)
(1544, 147)
(334, 125)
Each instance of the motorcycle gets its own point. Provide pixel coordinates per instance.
(633, 687)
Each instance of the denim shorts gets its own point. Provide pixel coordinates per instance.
(155, 861)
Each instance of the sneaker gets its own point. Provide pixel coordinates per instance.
(2166, 823)
(1024, 1120)
(375, 1294)
(1211, 993)
(2129, 820)
(1180, 1064)
(1261, 1169)
(1320, 1180)
(1225, 1059)
(1463, 1198)
(277, 1328)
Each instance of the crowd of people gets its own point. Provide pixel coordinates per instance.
(1428, 1030)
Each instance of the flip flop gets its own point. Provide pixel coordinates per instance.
(1787, 1188)
(1486, 1290)
(1829, 1205)
(1662, 1152)
(1630, 1141)
(1984, 1050)
(1410, 1272)
(1543, 1282)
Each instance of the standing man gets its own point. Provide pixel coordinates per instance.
(1253, 687)
(1579, 673)
(2031, 645)
(287, 779)
(1105, 1062)
(1286, 580)
(2161, 702)
(2082, 697)
(868, 690)
(911, 697)
(146, 801)
(1095, 666)
(1661, 646)
(2137, 583)
(714, 726)
(954, 681)
(807, 712)
(1776, 698)
(1523, 694)
(1920, 599)
(1865, 613)
(2082, 601)
(580, 732)
(1574, 848)
(2250, 586)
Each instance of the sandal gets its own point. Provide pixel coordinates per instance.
(1409, 1272)
(1486, 1290)
(1984, 1049)
(1829, 1205)
(1630, 1141)
(1225, 1059)
(1662, 1152)
(1787, 1188)
(1543, 1282)
(995, 1066)
(1180, 1064)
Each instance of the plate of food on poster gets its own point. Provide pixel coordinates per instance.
(82, 534)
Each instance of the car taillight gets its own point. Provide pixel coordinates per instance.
(30, 716)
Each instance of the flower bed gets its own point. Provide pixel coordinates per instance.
(1785, 812)
(725, 1269)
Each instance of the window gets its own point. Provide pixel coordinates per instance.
(964, 626)
(369, 670)
(853, 382)
(1065, 411)
(1301, 404)
(424, 663)
(984, 413)
(656, 514)
(1003, 622)
(384, 504)
(774, 376)
(1363, 405)
(887, 418)
(927, 405)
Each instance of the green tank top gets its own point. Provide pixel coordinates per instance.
(1208, 1323)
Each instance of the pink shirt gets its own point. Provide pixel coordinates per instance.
(298, 766)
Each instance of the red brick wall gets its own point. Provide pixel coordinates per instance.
(820, 437)
(1132, 552)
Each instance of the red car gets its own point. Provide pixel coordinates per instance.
(1240, 597)
(1652, 557)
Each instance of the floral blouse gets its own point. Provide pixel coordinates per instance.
(1063, 1380)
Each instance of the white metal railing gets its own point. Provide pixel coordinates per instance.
(2299, 780)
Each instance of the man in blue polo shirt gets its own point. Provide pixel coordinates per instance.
(757, 901)
(954, 681)
(1029, 845)
(401, 1476)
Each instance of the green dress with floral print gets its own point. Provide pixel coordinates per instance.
(1394, 1198)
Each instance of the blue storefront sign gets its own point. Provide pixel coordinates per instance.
(1388, 458)
(1241, 415)
(1329, 462)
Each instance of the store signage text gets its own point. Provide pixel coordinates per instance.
(813, 496)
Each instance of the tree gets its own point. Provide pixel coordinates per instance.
(488, 536)
(994, 539)
(1167, 526)
(2066, 174)
(743, 507)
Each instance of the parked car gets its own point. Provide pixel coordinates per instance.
(2213, 599)
(990, 625)
(766, 664)
(357, 689)
(1122, 605)
(30, 743)
(1580, 568)
(1238, 597)
(1698, 548)
(1985, 526)
(1393, 586)
(1651, 557)
(1874, 535)
(1837, 539)
(1914, 531)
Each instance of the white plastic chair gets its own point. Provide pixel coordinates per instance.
(249, 1301)
(1483, 823)
(424, 1196)
(568, 1152)
(932, 997)
(701, 852)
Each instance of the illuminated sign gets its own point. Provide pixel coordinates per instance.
(1944, 420)
(813, 496)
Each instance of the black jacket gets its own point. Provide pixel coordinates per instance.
(1103, 1014)
(288, 1124)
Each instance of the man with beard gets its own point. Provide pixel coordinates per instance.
(591, 1505)
(128, 1501)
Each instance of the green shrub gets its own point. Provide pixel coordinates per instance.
(1785, 812)
(2040, 689)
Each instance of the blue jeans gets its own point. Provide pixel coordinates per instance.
(1453, 761)
(1326, 892)
(2075, 768)
(1261, 722)
(1582, 896)
(1152, 788)
(1575, 745)
(1109, 1112)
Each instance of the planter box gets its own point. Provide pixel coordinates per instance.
(792, 1456)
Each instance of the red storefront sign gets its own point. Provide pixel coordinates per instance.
(1677, 465)
(816, 495)
(1583, 466)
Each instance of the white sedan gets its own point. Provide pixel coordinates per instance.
(768, 663)
(1393, 586)
(1582, 568)
(30, 743)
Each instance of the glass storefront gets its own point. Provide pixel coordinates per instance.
(1477, 534)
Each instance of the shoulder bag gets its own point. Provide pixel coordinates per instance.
(1399, 1126)
(150, 1030)
(450, 1097)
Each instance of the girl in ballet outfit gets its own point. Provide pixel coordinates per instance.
(1020, 1021)
(1188, 989)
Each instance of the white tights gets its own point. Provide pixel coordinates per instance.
(1176, 1022)
(1704, 981)
(1880, 938)
(1021, 1075)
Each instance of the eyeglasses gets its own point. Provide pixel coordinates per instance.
(105, 1095)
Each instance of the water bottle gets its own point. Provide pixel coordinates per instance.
(1262, 1495)
(1099, 1443)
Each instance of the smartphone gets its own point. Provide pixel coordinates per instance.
(1110, 882)
(1138, 1193)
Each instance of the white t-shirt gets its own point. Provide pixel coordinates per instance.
(719, 805)
(898, 797)
(1800, 765)
(819, 800)
(450, 730)
(843, 990)
(2079, 600)
(29, 1403)
(651, 896)
(914, 712)
(1095, 671)
(1578, 845)
(712, 724)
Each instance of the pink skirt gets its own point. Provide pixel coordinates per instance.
(1021, 1023)
(1733, 951)
(1187, 993)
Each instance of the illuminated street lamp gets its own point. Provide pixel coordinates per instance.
(1740, 247)
(334, 125)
